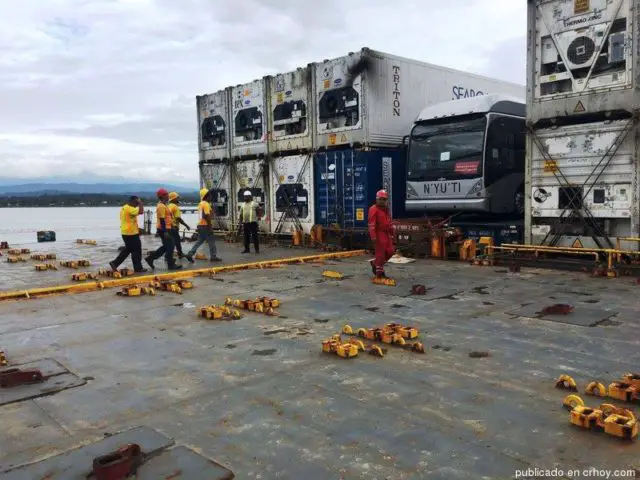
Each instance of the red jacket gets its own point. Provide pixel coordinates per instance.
(380, 222)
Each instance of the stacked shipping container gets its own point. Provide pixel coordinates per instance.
(582, 147)
(315, 144)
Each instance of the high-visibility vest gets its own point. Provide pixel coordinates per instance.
(248, 211)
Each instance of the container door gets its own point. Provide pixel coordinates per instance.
(356, 189)
(328, 167)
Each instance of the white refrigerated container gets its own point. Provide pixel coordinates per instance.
(292, 193)
(370, 98)
(217, 177)
(290, 114)
(248, 120)
(213, 126)
(251, 175)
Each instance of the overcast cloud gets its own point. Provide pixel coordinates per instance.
(108, 86)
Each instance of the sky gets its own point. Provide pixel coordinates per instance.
(94, 89)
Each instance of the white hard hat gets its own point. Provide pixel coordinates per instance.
(247, 193)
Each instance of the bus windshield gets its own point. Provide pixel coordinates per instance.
(447, 151)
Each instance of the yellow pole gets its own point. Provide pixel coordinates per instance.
(179, 275)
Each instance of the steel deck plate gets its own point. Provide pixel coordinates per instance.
(56, 379)
(164, 462)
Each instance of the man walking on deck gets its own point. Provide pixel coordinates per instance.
(131, 235)
(164, 224)
(205, 228)
(249, 216)
(176, 214)
(381, 232)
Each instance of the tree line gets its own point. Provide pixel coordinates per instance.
(81, 200)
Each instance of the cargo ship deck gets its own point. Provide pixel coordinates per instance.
(257, 395)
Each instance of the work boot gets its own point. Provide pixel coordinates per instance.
(141, 270)
(113, 266)
(149, 261)
(373, 266)
(174, 267)
(189, 257)
(216, 259)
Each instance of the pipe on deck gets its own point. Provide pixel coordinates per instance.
(178, 275)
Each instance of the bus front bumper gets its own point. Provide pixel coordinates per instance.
(449, 205)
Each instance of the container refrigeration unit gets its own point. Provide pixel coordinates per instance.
(248, 120)
(371, 99)
(582, 143)
(292, 194)
(213, 126)
(216, 176)
(346, 182)
(251, 175)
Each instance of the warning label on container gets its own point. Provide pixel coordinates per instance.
(550, 166)
(577, 244)
(280, 97)
(343, 138)
(332, 139)
(579, 107)
(359, 214)
(467, 168)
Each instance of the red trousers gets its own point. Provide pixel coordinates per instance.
(384, 250)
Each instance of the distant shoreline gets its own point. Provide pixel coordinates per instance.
(91, 200)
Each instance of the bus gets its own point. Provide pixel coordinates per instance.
(468, 156)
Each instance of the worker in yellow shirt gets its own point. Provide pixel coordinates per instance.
(174, 208)
(130, 234)
(164, 224)
(205, 228)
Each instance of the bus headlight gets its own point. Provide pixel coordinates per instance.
(411, 192)
(476, 189)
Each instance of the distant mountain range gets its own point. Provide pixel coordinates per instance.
(38, 189)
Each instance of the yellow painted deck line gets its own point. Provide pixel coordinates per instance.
(177, 275)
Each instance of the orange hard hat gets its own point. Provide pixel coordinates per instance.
(382, 194)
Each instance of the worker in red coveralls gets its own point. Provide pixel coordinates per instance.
(381, 232)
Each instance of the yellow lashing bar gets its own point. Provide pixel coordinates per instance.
(182, 274)
(535, 248)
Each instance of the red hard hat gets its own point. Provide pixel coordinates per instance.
(382, 194)
(161, 192)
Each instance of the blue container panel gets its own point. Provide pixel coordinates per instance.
(326, 182)
(347, 182)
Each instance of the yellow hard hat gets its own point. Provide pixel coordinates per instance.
(203, 192)
(173, 196)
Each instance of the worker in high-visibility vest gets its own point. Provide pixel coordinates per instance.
(164, 223)
(205, 228)
(249, 216)
(174, 208)
(381, 232)
(130, 235)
